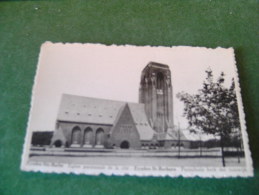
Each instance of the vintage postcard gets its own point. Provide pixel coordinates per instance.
(137, 110)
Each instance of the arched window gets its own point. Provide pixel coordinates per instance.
(160, 80)
(76, 134)
(99, 137)
(88, 136)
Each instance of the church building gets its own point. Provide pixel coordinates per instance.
(85, 122)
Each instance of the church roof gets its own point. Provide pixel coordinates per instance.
(88, 110)
(101, 111)
(172, 135)
(141, 122)
(175, 135)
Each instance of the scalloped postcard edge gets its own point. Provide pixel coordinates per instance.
(156, 169)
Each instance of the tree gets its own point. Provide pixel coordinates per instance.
(213, 110)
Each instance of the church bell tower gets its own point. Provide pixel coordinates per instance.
(155, 93)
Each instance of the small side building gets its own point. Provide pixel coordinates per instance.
(41, 138)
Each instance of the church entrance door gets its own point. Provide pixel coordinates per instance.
(125, 145)
(58, 143)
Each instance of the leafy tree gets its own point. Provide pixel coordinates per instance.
(213, 110)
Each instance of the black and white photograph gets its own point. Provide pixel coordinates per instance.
(137, 110)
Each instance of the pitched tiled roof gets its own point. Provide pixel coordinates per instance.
(141, 122)
(88, 110)
(101, 111)
(173, 135)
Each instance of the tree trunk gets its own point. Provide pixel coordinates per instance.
(179, 142)
(200, 148)
(222, 150)
(179, 149)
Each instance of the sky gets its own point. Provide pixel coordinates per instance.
(113, 72)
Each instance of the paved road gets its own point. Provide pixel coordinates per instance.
(148, 161)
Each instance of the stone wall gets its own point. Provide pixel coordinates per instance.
(82, 134)
(124, 133)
